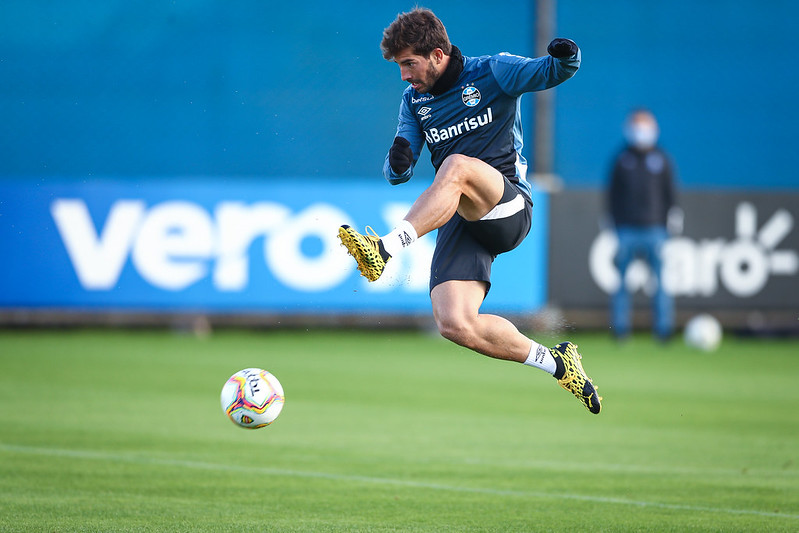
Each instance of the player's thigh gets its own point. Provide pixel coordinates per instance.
(457, 302)
(481, 184)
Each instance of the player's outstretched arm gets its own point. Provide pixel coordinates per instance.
(517, 75)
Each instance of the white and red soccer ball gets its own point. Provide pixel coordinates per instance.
(252, 398)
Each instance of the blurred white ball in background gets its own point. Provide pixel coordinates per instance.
(703, 332)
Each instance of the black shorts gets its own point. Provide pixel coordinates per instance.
(465, 250)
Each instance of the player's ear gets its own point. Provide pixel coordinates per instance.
(438, 55)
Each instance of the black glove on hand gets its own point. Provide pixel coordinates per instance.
(560, 48)
(400, 156)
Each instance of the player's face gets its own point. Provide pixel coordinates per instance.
(420, 71)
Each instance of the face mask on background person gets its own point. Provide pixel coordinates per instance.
(641, 135)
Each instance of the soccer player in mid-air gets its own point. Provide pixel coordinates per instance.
(467, 111)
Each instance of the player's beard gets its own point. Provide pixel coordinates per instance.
(430, 78)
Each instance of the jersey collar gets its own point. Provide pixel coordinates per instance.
(450, 74)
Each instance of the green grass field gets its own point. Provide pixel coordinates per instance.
(392, 431)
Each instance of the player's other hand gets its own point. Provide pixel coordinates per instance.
(400, 156)
(560, 48)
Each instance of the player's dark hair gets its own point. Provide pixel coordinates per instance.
(419, 30)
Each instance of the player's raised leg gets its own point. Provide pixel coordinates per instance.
(456, 307)
(463, 184)
(456, 310)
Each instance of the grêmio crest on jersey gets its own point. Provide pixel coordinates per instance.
(470, 96)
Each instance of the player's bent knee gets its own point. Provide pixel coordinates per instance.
(457, 161)
(455, 167)
(458, 331)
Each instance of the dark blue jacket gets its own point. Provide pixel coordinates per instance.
(642, 188)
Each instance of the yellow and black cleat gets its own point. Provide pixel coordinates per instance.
(572, 377)
(367, 250)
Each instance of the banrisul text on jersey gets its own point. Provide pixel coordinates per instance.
(434, 135)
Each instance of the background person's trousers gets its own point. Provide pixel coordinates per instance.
(647, 243)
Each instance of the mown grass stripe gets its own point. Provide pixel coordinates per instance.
(149, 460)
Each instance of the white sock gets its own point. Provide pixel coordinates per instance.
(541, 357)
(400, 237)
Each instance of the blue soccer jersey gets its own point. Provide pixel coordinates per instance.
(480, 115)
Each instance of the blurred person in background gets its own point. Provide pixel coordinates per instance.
(642, 205)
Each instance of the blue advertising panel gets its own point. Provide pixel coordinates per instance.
(239, 245)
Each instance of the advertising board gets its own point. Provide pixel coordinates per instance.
(239, 245)
(737, 251)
